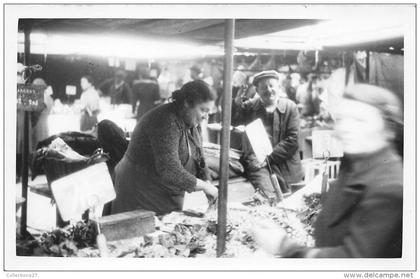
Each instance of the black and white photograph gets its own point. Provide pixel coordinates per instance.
(210, 137)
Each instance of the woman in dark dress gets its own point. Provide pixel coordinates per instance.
(164, 158)
(362, 213)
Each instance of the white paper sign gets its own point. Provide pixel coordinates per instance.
(70, 90)
(130, 65)
(88, 188)
(259, 140)
(196, 201)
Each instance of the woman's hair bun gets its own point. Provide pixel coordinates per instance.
(178, 95)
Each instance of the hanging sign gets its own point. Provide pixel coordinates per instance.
(30, 97)
(71, 90)
(88, 188)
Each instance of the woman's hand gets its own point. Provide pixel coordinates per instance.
(211, 190)
(239, 129)
(207, 188)
(269, 236)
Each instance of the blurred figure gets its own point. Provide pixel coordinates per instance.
(242, 92)
(196, 73)
(166, 81)
(206, 75)
(40, 129)
(90, 104)
(310, 100)
(290, 90)
(335, 86)
(145, 91)
(301, 91)
(117, 88)
(314, 103)
(361, 216)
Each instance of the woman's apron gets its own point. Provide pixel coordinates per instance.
(192, 165)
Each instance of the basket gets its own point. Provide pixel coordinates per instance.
(58, 168)
(313, 167)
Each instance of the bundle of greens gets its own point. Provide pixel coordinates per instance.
(62, 242)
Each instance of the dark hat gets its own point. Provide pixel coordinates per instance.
(381, 98)
(120, 73)
(263, 75)
(195, 68)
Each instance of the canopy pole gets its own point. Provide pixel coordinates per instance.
(226, 121)
(367, 65)
(25, 155)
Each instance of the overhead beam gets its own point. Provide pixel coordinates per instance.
(178, 26)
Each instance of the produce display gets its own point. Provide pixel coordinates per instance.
(62, 242)
(182, 235)
(309, 215)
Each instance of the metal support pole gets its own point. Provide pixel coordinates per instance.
(25, 155)
(367, 65)
(226, 121)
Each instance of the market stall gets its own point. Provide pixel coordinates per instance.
(191, 233)
(215, 29)
(180, 234)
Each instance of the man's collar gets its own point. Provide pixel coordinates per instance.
(280, 105)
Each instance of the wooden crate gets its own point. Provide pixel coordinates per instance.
(313, 167)
(127, 224)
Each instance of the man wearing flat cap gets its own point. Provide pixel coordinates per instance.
(281, 120)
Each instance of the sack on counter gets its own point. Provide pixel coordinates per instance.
(212, 157)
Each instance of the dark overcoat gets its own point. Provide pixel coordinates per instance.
(362, 214)
(284, 159)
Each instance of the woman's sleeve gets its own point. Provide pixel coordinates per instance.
(164, 139)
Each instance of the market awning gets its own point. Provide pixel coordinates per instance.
(390, 45)
(203, 31)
